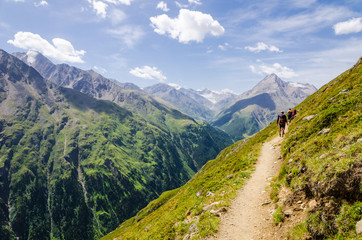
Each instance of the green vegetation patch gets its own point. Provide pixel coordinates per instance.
(192, 209)
(323, 153)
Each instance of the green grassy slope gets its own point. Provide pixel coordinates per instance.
(322, 161)
(73, 167)
(176, 212)
(324, 157)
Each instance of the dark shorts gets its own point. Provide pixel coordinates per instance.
(282, 125)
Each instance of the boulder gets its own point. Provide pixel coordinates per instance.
(310, 117)
(359, 228)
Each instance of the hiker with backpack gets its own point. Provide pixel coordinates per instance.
(282, 119)
(289, 114)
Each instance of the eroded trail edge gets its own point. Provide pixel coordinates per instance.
(250, 213)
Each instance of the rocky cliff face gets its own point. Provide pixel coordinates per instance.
(74, 167)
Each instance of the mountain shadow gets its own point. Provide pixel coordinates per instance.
(263, 100)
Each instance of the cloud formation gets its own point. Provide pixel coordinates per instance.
(147, 72)
(42, 3)
(351, 26)
(278, 69)
(196, 2)
(100, 7)
(60, 49)
(117, 2)
(188, 26)
(117, 16)
(163, 6)
(260, 46)
(129, 35)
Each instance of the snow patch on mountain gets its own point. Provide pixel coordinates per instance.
(216, 96)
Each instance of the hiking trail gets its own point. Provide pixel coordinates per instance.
(249, 216)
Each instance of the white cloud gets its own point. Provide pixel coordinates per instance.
(224, 46)
(197, 2)
(278, 69)
(129, 35)
(116, 2)
(188, 26)
(100, 69)
(303, 23)
(180, 5)
(147, 72)
(163, 6)
(42, 3)
(61, 49)
(190, 2)
(99, 7)
(351, 26)
(175, 85)
(260, 46)
(117, 16)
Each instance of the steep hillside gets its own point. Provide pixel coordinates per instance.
(73, 167)
(258, 107)
(322, 154)
(323, 159)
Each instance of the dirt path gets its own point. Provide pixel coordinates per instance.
(250, 214)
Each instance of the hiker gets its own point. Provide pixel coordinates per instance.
(282, 119)
(294, 113)
(289, 114)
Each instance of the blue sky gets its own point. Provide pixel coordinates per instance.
(214, 44)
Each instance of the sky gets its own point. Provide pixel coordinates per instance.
(214, 44)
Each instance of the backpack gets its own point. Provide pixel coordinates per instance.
(282, 119)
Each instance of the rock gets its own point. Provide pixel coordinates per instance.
(230, 176)
(193, 228)
(323, 156)
(344, 91)
(148, 227)
(288, 212)
(218, 212)
(290, 160)
(266, 203)
(187, 236)
(208, 194)
(188, 212)
(199, 193)
(312, 204)
(207, 207)
(359, 228)
(324, 131)
(310, 117)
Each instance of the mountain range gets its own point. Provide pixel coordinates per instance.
(256, 108)
(75, 165)
(238, 115)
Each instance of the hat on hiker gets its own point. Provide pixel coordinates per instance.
(282, 111)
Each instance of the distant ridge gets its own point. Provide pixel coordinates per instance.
(256, 108)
